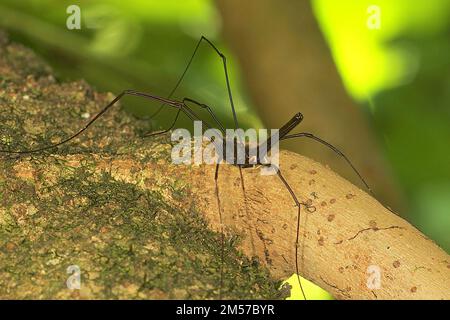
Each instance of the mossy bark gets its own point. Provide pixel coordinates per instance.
(133, 233)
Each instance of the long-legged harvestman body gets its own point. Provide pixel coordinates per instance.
(182, 107)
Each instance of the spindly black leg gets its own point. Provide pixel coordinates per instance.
(329, 145)
(222, 236)
(246, 207)
(152, 134)
(172, 103)
(227, 80)
(208, 108)
(297, 203)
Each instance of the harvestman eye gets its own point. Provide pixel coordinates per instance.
(181, 107)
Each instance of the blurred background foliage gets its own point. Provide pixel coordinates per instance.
(143, 45)
(402, 73)
(399, 73)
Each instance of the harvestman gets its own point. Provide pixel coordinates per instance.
(182, 107)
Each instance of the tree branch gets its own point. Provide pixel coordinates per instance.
(113, 204)
(347, 236)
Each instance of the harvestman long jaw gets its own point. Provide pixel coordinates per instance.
(284, 130)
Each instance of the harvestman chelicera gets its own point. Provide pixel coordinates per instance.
(182, 107)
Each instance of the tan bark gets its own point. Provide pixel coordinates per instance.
(348, 232)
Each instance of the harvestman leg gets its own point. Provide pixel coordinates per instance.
(293, 123)
(236, 124)
(208, 108)
(246, 209)
(191, 114)
(298, 204)
(224, 63)
(337, 151)
(173, 103)
(284, 135)
(216, 176)
(222, 236)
